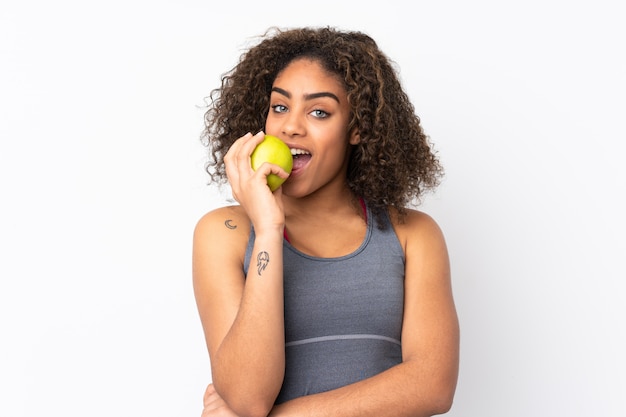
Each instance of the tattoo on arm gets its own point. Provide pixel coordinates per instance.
(262, 259)
(230, 225)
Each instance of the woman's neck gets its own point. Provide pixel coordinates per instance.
(323, 205)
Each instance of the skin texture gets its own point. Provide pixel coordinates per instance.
(310, 108)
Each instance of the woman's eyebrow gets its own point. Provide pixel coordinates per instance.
(281, 91)
(321, 94)
(310, 96)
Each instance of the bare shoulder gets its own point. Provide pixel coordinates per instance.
(417, 228)
(424, 246)
(222, 231)
(229, 220)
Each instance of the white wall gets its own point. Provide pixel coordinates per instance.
(101, 183)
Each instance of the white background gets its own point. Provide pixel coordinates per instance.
(101, 176)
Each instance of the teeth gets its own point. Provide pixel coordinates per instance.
(295, 152)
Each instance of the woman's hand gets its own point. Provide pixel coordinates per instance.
(249, 187)
(214, 405)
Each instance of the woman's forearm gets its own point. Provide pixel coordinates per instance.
(248, 367)
(404, 390)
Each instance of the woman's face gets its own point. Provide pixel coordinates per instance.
(309, 111)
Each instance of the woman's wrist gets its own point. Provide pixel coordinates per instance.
(269, 231)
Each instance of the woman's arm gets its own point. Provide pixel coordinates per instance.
(425, 382)
(243, 317)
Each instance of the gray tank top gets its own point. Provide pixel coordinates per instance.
(343, 316)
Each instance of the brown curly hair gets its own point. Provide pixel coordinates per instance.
(393, 164)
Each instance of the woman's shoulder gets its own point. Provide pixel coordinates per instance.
(425, 248)
(414, 225)
(227, 216)
(226, 227)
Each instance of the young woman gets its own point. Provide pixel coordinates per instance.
(329, 296)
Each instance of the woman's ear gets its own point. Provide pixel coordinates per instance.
(355, 137)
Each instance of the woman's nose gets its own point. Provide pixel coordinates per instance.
(293, 125)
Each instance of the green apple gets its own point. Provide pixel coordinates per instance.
(274, 151)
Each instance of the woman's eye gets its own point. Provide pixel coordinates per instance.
(279, 108)
(319, 114)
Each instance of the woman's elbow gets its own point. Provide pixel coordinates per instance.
(443, 398)
(243, 403)
(252, 408)
(259, 411)
(443, 405)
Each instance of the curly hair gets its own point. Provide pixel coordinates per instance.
(391, 166)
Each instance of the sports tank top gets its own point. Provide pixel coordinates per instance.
(343, 316)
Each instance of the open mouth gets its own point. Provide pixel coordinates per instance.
(300, 158)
